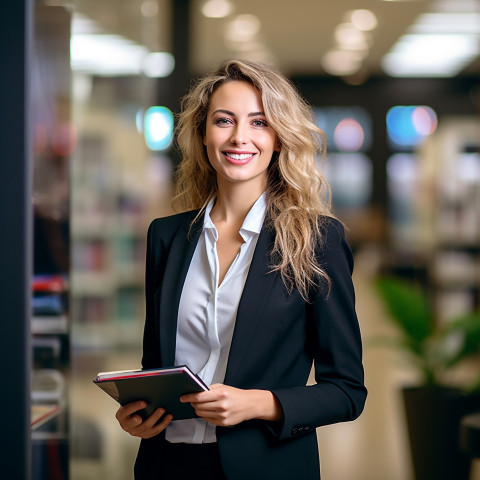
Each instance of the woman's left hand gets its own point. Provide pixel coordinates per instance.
(225, 406)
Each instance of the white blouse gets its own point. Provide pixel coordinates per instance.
(207, 313)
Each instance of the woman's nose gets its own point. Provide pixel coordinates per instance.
(239, 135)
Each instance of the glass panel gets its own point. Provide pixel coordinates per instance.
(54, 140)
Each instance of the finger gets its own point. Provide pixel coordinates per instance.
(160, 427)
(205, 407)
(130, 423)
(153, 418)
(192, 397)
(147, 430)
(206, 396)
(130, 408)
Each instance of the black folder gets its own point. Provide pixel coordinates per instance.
(161, 387)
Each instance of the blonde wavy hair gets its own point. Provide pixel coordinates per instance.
(298, 196)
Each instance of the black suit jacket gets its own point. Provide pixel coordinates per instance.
(277, 336)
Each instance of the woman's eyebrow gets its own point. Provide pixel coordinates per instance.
(228, 112)
(221, 110)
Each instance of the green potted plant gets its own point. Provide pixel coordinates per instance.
(435, 406)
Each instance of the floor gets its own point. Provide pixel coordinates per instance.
(372, 448)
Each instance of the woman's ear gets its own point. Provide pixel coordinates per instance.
(278, 145)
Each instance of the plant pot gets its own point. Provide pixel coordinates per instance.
(433, 420)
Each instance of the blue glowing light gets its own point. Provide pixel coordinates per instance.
(408, 125)
(158, 128)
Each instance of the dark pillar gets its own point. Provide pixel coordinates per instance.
(15, 238)
(171, 89)
(180, 48)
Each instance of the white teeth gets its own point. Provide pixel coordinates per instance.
(239, 156)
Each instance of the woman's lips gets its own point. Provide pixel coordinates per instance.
(239, 158)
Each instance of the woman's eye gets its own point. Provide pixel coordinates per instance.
(222, 121)
(260, 123)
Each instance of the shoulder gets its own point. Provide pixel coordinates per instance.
(166, 227)
(333, 245)
(331, 229)
(328, 222)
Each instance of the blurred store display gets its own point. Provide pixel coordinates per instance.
(54, 141)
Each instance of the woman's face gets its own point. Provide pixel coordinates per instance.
(239, 141)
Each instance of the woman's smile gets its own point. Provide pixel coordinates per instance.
(239, 158)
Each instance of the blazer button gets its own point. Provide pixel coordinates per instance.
(294, 431)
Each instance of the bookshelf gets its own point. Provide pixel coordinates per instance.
(448, 215)
(109, 224)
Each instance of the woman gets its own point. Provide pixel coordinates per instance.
(249, 286)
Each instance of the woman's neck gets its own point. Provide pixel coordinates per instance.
(234, 202)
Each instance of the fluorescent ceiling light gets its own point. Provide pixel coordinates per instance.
(463, 23)
(217, 8)
(430, 55)
(84, 25)
(106, 55)
(341, 62)
(350, 38)
(92, 51)
(437, 45)
(158, 64)
(455, 6)
(364, 19)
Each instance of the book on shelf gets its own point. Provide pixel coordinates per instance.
(41, 414)
(161, 387)
(49, 283)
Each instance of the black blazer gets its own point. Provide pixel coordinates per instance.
(277, 336)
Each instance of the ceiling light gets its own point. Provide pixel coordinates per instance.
(463, 23)
(84, 25)
(437, 44)
(96, 53)
(106, 55)
(217, 8)
(243, 28)
(158, 64)
(341, 62)
(430, 55)
(458, 6)
(348, 37)
(149, 8)
(364, 19)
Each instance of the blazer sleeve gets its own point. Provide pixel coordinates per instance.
(339, 393)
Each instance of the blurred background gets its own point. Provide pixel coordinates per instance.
(394, 84)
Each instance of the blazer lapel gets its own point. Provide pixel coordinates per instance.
(179, 258)
(255, 294)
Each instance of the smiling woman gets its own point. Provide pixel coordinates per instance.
(249, 285)
(238, 139)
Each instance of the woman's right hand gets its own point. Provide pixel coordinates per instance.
(132, 422)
